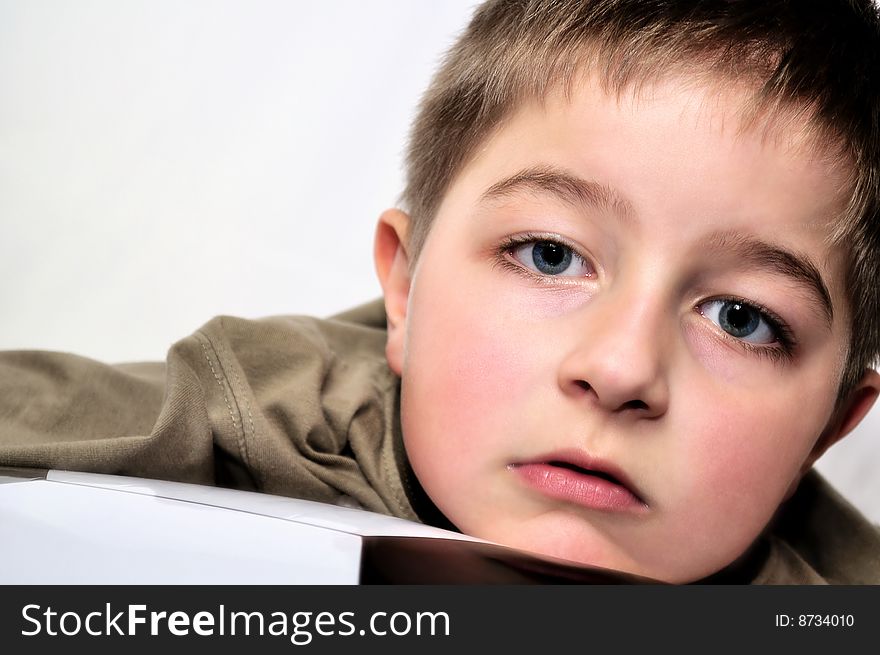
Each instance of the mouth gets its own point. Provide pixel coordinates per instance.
(582, 480)
(585, 471)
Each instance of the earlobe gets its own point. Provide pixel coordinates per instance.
(392, 267)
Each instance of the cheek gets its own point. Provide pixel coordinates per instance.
(750, 426)
(728, 467)
(465, 366)
(740, 451)
(473, 364)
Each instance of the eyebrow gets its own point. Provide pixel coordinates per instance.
(565, 186)
(752, 251)
(762, 255)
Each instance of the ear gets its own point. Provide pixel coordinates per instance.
(392, 267)
(846, 417)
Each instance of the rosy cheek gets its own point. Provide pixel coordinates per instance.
(471, 376)
(481, 353)
(754, 432)
(739, 457)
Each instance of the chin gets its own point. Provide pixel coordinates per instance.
(572, 546)
(587, 548)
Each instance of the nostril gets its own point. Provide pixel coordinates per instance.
(583, 385)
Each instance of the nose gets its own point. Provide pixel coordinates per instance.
(619, 354)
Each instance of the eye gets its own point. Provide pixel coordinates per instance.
(741, 320)
(551, 258)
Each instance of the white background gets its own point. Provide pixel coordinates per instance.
(162, 162)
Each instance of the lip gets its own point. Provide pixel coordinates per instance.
(578, 478)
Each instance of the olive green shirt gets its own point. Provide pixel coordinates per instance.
(306, 407)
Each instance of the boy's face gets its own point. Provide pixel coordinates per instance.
(633, 287)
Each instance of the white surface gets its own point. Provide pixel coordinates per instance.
(332, 517)
(77, 528)
(162, 162)
(73, 534)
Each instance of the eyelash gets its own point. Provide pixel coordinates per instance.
(786, 341)
(785, 338)
(504, 257)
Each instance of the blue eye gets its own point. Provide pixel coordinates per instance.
(551, 258)
(740, 320)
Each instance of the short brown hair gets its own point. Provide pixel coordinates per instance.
(818, 57)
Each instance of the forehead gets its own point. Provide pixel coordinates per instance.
(703, 150)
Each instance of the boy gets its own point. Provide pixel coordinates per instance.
(629, 305)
